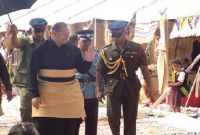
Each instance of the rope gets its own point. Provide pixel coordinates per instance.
(113, 66)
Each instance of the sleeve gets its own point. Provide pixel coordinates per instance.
(181, 77)
(82, 65)
(101, 67)
(4, 75)
(24, 43)
(94, 64)
(142, 56)
(33, 68)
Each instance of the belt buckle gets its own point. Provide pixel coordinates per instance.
(122, 76)
(85, 80)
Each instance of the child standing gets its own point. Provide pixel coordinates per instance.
(178, 80)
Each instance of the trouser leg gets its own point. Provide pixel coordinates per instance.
(49, 126)
(71, 126)
(114, 113)
(25, 105)
(130, 108)
(55, 126)
(1, 110)
(77, 126)
(91, 109)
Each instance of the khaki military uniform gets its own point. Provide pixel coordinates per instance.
(121, 84)
(21, 56)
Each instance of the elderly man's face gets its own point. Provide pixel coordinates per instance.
(62, 36)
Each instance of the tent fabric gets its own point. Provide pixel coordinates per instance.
(173, 9)
(186, 27)
(73, 11)
(144, 32)
(162, 61)
(192, 102)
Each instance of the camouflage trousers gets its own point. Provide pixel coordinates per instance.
(25, 104)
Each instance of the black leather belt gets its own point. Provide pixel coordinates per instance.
(86, 80)
(54, 79)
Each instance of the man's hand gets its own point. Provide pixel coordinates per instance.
(100, 96)
(9, 95)
(36, 102)
(170, 84)
(148, 93)
(12, 29)
(90, 53)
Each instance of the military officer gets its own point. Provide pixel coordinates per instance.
(23, 47)
(117, 64)
(88, 84)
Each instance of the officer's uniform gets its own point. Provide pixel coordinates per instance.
(121, 86)
(20, 77)
(88, 87)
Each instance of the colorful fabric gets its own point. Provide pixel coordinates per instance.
(144, 33)
(181, 77)
(186, 27)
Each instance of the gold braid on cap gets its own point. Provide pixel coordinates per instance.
(113, 66)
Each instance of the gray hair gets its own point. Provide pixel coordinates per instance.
(58, 26)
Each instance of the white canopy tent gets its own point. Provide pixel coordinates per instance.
(73, 11)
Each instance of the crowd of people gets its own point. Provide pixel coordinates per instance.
(61, 79)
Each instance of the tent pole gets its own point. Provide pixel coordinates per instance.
(176, 48)
(9, 19)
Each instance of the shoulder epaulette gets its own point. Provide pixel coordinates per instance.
(106, 45)
(97, 50)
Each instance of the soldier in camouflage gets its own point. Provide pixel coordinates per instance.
(25, 47)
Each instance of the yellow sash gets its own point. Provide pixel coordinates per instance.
(59, 99)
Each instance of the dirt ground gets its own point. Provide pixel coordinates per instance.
(146, 125)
